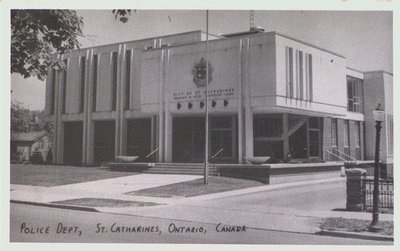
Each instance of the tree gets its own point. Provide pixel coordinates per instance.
(42, 122)
(19, 118)
(37, 34)
(123, 15)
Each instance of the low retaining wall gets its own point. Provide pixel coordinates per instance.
(282, 173)
(266, 173)
(251, 172)
(285, 173)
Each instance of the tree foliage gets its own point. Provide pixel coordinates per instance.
(19, 116)
(37, 34)
(122, 15)
(25, 120)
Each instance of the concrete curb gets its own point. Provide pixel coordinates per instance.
(354, 235)
(263, 188)
(56, 205)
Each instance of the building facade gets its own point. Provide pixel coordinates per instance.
(268, 95)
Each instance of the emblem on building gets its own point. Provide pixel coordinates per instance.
(199, 72)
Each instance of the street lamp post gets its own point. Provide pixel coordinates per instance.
(379, 116)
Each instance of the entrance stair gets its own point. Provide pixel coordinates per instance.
(165, 168)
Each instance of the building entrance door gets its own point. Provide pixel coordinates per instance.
(188, 141)
(104, 141)
(139, 139)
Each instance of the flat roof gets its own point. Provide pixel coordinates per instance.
(144, 39)
(308, 44)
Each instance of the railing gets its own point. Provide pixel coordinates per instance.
(334, 155)
(385, 193)
(152, 153)
(340, 155)
(216, 154)
(346, 157)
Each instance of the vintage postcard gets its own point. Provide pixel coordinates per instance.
(195, 124)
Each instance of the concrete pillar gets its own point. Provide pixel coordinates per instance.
(248, 118)
(154, 137)
(352, 136)
(86, 110)
(354, 189)
(362, 139)
(167, 113)
(118, 106)
(326, 138)
(49, 85)
(285, 135)
(240, 124)
(161, 110)
(88, 122)
(340, 134)
(59, 124)
(168, 138)
(122, 120)
(90, 143)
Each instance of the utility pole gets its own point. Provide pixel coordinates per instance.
(206, 134)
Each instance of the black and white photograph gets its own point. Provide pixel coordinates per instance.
(199, 125)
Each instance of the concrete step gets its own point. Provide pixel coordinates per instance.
(178, 171)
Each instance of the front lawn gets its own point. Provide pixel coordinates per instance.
(100, 202)
(196, 187)
(355, 225)
(52, 175)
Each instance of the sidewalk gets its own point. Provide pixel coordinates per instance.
(114, 188)
(192, 209)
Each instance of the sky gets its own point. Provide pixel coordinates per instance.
(363, 37)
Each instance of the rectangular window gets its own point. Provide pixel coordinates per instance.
(64, 86)
(357, 134)
(82, 83)
(346, 134)
(94, 94)
(114, 70)
(334, 132)
(314, 136)
(128, 80)
(355, 94)
(268, 126)
(289, 72)
(310, 78)
(300, 83)
(390, 133)
(221, 136)
(53, 91)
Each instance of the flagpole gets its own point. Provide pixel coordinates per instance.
(206, 135)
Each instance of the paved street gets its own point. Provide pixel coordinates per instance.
(318, 197)
(42, 217)
(288, 213)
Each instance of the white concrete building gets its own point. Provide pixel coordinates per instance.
(269, 95)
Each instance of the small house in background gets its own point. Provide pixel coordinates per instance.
(24, 145)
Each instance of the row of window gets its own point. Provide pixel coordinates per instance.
(304, 136)
(299, 80)
(346, 133)
(82, 72)
(299, 68)
(301, 89)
